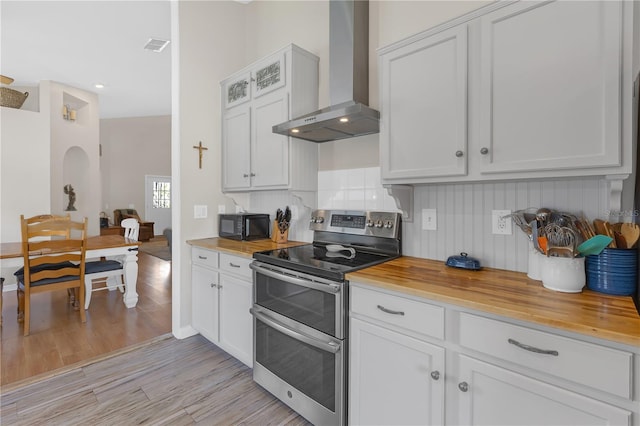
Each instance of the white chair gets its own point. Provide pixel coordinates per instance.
(131, 228)
(109, 272)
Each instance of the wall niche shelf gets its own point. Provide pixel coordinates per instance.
(72, 106)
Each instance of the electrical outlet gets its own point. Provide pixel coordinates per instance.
(429, 220)
(500, 224)
(199, 212)
(221, 208)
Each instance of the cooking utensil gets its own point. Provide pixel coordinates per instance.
(594, 245)
(542, 216)
(621, 242)
(631, 233)
(523, 218)
(285, 219)
(535, 236)
(561, 240)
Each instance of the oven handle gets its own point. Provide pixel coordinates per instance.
(327, 347)
(327, 288)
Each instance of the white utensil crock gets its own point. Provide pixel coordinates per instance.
(565, 274)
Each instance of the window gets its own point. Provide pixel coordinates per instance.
(161, 195)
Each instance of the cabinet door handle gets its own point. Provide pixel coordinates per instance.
(484, 151)
(252, 174)
(389, 311)
(213, 285)
(435, 375)
(459, 154)
(233, 265)
(202, 257)
(245, 175)
(463, 386)
(532, 348)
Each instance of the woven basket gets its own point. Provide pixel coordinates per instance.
(12, 98)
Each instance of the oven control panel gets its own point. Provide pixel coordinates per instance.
(375, 223)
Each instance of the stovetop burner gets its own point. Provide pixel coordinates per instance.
(368, 238)
(314, 259)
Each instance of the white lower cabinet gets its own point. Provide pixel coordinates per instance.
(415, 361)
(222, 294)
(395, 376)
(491, 395)
(236, 326)
(395, 379)
(204, 291)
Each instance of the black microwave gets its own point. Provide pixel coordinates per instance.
(244, 226)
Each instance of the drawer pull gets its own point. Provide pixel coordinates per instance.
(435, 375)
(202, 257)
(463, 386)
(532, 348)
(389, 311)
(233, 265)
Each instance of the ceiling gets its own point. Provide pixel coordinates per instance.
(81, 43)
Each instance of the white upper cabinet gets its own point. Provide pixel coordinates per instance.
(424, 115)
(275, 89)
(511, 91)
(550, 86)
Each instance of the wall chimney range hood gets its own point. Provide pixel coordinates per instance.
(348, 116)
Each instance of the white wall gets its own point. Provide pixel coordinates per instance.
(132, 148)
(212, 43)
(24, 169)
(68, 164)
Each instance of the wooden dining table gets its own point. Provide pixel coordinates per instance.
(112, 246)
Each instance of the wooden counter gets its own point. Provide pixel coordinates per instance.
(507, 293)
(510, 294)
(240, 248)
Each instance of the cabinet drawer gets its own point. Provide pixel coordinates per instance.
(589, 364)
(399, 311)
(200, 256)
(236, 265)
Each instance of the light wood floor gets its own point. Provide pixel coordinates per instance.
(58, 338)
(171, 381)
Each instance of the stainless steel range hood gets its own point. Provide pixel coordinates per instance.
(348, 116)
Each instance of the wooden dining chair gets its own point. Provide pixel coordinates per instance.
(109, 274)
(54, 251)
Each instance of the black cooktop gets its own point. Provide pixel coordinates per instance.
(314, 259)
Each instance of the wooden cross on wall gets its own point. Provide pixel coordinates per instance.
(200, 148)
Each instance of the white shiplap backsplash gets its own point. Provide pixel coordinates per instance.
(463, 211)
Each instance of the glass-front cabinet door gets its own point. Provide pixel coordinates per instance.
(237, 91)
(269, 75)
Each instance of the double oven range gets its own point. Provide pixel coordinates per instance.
(300, 309)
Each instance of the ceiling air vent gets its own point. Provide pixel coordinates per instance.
(156, 45)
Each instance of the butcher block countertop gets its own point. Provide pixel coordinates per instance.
(506, 293)
(510, 294)
(240, 248)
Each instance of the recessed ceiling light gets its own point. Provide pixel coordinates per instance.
(156, 45)
(99, 86)
(344, 120)
(295, 131)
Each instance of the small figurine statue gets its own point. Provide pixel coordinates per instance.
(68, 189)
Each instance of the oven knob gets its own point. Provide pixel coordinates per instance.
(379, 224)
(313, 219)
(320, 219)
(369, 223)
(388, 224)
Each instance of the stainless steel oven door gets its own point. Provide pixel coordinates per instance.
(316, 302)
(301, 366)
